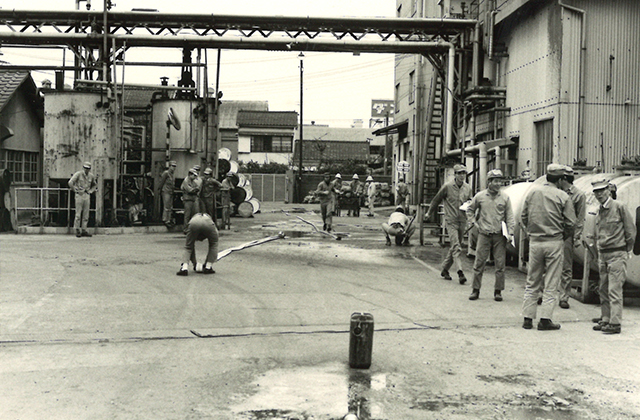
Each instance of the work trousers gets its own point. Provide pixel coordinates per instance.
(455, 231)
(191, 207)
(208, 205)
(167, 206)
(545, 269)
(203, 228)
(391, 231)
(326, 210)
(613, 273)
(486, 243)
(564, 290)
(82, 211)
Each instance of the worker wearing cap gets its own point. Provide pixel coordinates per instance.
(323, 192)
(357, 189)
(399, 226)
(83, 183)
(579, 201)
(453, 194)
(209, 189)
(199, 228)
(548, 218)
(488, 210)
(614, 235)
(166, 187)
(190, 190)
(402, 194)
(372, 194)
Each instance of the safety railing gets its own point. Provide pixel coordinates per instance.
(44, 207)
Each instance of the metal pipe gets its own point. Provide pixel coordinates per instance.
(450, 87)
(482, 162)
(202, 41)
(408, 26)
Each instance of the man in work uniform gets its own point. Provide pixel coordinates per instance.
(579, 201)
(402, 194)
(398, 226)
(199, 228)
(209, 189)
(356, 190)
(615, 233)
(372, 193)
(323, 192)
(548, 219)
(336, 194)
(83, 183)
(453, 194)
(190, 190)
(488, 210)
(165, 188)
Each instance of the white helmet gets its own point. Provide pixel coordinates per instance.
(369, 178)
(338, 176)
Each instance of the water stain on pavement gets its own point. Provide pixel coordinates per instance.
(314, 392)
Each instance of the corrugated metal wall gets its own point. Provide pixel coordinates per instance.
(570, 86)
(612, 128)
(541, 56)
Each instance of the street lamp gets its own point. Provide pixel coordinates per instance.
(300, 193)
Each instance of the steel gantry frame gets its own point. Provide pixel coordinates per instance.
(111, 33)
(99, 39)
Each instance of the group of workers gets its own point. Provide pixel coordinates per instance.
(330, 191)
(198, 194)
(199, 200)
(552, 219)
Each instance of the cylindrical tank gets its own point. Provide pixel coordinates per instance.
(78, 127)
(628, 192)
(186, 145)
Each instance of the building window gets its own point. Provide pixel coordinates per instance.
(397, 101)
(276, 144)
(22, 165)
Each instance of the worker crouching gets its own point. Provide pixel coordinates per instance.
(399, 226)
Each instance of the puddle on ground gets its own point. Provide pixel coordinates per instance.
(318, 392)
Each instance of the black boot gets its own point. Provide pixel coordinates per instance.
(475, 294)
(546, 324)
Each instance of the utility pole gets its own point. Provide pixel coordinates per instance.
(300, 193)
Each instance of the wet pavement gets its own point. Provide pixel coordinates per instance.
(101, 327)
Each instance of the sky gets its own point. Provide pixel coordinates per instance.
(338, 87)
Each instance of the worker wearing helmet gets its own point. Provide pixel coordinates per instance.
(488, 210)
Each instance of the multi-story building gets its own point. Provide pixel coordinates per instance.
(537, 81)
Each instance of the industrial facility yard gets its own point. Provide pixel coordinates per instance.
(102, 328)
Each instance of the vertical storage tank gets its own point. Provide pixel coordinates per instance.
(186, 145)
(79, 127)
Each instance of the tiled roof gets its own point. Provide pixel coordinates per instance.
(333, 151)
(267, 119)
(228, 112)
(10, 81)
(136, 97)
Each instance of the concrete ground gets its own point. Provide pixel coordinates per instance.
(102, 328)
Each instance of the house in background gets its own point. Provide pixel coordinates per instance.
(21, 122)
(228, 121)
(265, 136)
(324, 145)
